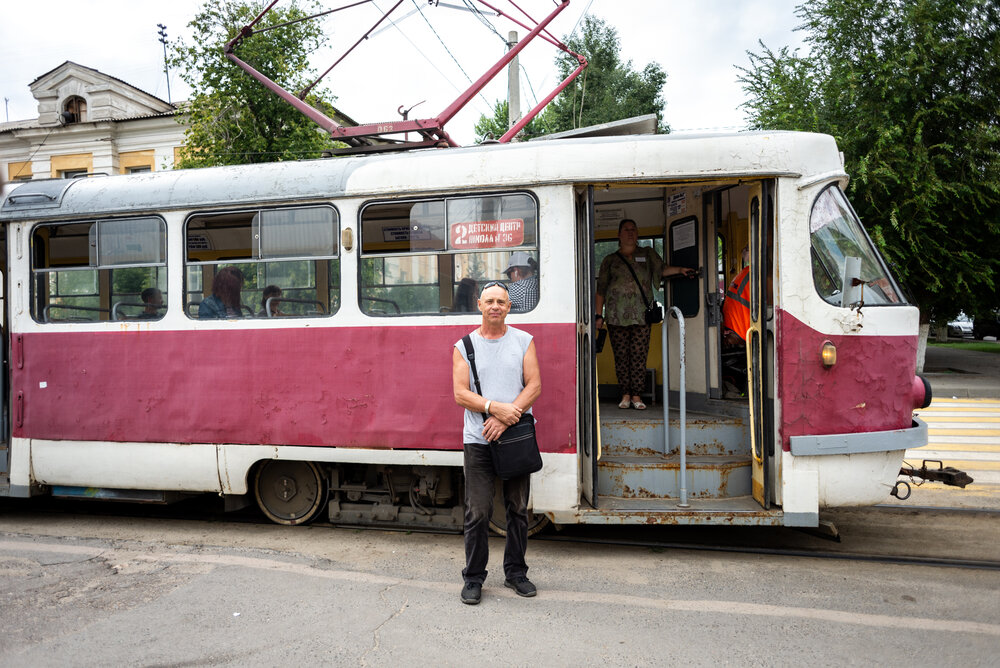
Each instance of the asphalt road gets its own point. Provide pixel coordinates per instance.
(86, 590)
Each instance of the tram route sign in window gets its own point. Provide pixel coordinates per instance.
(433, 256)
(487, 234)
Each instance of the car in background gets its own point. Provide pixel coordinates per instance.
(987, 324)
(960, 327)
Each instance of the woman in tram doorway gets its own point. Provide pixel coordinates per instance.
(620, 304)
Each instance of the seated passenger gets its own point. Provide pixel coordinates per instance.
(153, 300)
(523, 288)
(225, 300)
(465, 296)
(272, 292)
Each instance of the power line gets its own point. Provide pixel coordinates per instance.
(448, 50)
(425, 56)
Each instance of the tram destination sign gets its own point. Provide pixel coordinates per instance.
(487, 234)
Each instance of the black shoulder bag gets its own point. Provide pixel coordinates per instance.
(515, 453)
(654, 312)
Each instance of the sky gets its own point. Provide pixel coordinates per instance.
(426, 56)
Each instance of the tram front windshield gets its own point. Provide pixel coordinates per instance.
(847, 270)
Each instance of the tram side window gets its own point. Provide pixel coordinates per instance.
(846, 268)
(288, 260)
(434, 256)
(102, 270)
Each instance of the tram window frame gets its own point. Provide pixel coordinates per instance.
(255, 259)
(822, 272)
(100, 303)
(377, 296)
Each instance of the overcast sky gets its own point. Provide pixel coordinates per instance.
(697, 42)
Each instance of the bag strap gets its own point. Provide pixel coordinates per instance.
(471, 354)
(632, 271)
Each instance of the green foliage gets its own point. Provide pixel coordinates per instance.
(977, 346)
(232, 118)
(495, 126)
(608, 89)
(911, 91)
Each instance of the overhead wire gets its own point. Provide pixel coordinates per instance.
(414, 45)
(427, 21)
(489, 24)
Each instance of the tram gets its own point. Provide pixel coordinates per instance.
(338, 403)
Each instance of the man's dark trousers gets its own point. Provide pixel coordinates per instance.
(479, 481)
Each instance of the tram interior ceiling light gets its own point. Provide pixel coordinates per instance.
(828, 354)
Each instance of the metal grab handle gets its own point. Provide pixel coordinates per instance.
(683, 398)
(271, 300)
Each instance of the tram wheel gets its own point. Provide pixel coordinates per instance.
(290, 492)
(498, 521)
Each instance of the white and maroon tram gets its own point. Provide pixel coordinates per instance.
(339, 404)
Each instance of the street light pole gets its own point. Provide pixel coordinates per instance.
(166, 67)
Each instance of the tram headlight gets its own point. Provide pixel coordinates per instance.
(828, 354)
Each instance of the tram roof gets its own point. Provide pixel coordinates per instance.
(638, 158)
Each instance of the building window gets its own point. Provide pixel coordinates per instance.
(139, 170)
(434, 256)
(74, 110)
(73, 173)
(99, 270)
(287, 263)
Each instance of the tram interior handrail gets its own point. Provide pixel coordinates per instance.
(47, 310)
(665, 356)
(114, 309)
(270, 300)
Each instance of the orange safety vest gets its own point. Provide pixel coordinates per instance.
(736, 307)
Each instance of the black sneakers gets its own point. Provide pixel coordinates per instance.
(522, 586)
(472, 593)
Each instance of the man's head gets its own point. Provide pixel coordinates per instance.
(494, 303)
(152, 297)
(520, 266)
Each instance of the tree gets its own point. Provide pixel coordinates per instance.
(494, 127)
(608, 89)
(232, 118)
(911, 91)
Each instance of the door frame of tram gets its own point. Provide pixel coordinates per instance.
(760, 340)
(588, 426)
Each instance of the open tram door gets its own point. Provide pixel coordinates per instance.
(759, 388)
(588, 417)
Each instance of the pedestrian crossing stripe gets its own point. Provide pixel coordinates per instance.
(959, 447)
(981, 418)
(966, 431)
(959, 410)
(966, 465)
(937, 402)
(965, 440)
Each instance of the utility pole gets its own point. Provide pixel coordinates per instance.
(513, 84)
(166, 67)
(6, 107)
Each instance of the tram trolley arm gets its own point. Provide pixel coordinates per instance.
(949, 475)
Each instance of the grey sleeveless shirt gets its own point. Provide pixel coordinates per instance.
(500, 363)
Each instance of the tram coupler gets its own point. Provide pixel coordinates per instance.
(949, 475)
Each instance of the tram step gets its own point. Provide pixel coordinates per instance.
(705, 436)
(658, 477)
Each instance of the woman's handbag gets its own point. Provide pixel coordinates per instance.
(654, 312)
(515, 453)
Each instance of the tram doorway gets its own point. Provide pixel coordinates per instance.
(635, 463)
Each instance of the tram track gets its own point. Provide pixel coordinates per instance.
(946, 562)
(722, 541)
